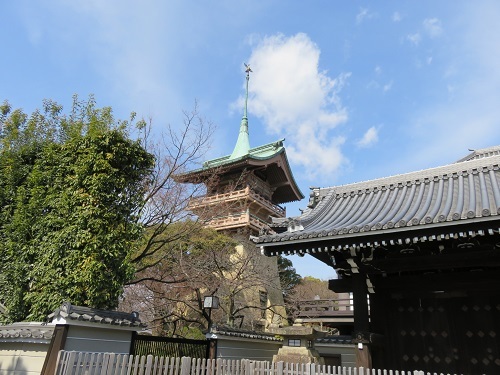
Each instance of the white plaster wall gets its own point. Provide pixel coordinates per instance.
(22, 358)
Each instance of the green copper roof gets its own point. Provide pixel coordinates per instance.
(242, 146)
(258, 153)
(270, 159)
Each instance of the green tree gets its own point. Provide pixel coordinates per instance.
(71, 188)
(289, 278)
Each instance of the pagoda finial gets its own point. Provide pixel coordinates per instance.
(242, 146)
(248, 70)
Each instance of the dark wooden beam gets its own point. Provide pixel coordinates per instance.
(471, 281)
(394, 235)
(360, 303)
(341, 285)
(474, 258)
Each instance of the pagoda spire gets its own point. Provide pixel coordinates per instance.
(242, 146)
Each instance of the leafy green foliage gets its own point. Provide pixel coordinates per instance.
(70, 189)
(289, 278)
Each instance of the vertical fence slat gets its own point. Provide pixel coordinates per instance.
(279, 368)
(135, 366)
(154, 370)
(107, 364)
(114, 366)
(149, 365)
(67, 360)
(312, 369)
(122, 369)
(142, 365)
(185, 366)
(78, 363)
(100, 364)
(62, 361)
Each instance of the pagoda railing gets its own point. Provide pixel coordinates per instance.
(236, 195)
(323, 308)
(238, 220)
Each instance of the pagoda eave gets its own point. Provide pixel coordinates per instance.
(275, 169)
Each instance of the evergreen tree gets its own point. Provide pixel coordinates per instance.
(70, 190)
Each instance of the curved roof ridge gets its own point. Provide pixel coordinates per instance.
(481, 153)
(269, 150)
(416, 175)
(277, 143)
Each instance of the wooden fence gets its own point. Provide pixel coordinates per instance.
(80, 363)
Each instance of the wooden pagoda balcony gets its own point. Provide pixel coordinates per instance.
(324, 307)
(246, 195)
(243, 219)
(337, 310)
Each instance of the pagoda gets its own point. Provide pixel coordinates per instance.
(246, 188)
(244, 192)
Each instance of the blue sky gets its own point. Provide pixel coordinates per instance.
(359, 89)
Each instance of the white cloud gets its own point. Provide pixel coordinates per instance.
(369, 138)
(378, 70)
(295, 99)
(363, 14)
(414, 38)
(387, 86)
(432, 27)
(396, 16)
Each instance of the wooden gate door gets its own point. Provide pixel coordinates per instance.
(443, 333)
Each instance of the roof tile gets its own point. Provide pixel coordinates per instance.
(87, 314)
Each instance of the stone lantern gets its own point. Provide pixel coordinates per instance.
(298, 344)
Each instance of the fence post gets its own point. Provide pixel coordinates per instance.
(185, 366)
(279, 368)
(61, 363)
(252, 368)
(104, 362)
(149, 365)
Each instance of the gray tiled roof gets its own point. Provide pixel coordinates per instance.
(234, 332)
(462, 192)
(339, 339)
(27, 332)
(482, 153)
(70, 312)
